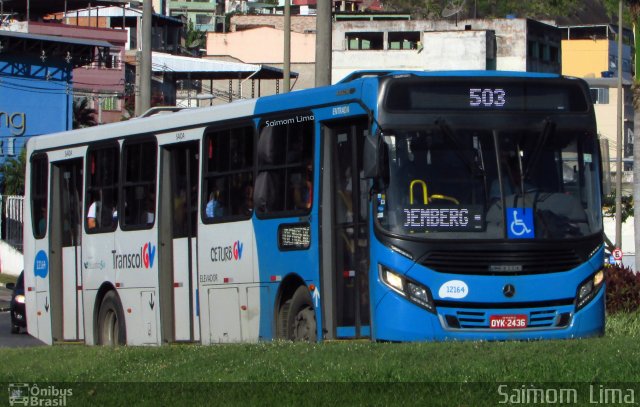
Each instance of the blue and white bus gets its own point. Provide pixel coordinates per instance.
(395, 206)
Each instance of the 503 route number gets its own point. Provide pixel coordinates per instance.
(487, 97)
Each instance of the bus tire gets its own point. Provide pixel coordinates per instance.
(111, 326)
(282, 328)
(302, 317)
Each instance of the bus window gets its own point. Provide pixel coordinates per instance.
(228, 174)
(139, 184)
(39, 202)
(101, 198)
(285, 166)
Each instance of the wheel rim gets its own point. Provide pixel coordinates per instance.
(110, 328)
(304, 325)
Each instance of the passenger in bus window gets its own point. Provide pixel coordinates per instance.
(246, 206)
(303, 188)
(150, 211)
(214, 206)
(92, 215)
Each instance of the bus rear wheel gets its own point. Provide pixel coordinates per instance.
(301, 317)
(111, 327)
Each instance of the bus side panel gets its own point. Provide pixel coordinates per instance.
(275, 264)
(226, 259)
(136, 276)
(36, 276)
(40, 285)
(97, 269)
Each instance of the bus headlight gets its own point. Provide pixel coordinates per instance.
(412, 290)
(589, 289)
(20, 299)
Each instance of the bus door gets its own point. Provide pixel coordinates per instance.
(178, 232)
(349, 230)
(65, 250)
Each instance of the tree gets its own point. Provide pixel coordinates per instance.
(13, 174)
(195, 39)
(83, 115)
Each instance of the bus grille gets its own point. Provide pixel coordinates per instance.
(501, 263)
(547, 318)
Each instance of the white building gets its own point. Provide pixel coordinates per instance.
(502, 44)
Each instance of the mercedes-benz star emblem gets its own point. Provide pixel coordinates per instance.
(508, 290)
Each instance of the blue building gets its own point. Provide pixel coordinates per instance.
(36, 85)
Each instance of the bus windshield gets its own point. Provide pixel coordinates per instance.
(490, 183)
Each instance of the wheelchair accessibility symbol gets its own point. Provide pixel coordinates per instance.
(520, 221)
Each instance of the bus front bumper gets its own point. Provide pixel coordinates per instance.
(397, 319)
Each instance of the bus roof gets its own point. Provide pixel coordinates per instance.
(512, 74)
(349, 88)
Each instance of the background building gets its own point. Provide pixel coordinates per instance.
(502, 44)
(591, 52)
(36, 74)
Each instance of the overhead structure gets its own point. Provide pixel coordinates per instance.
(199, 68)
(76, 52)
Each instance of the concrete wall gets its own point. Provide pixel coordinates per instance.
(11, 260)
(263, 45)
(249, 46)
(299, 24)
(463, 50)
(463, 45)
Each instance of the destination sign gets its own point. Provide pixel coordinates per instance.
(430, 219)
(294, 236)
(501, 94)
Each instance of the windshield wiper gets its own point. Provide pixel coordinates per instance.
(474, 168)
(549, 128)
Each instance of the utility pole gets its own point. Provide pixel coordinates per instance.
(323, 43)
(286, 69)
(619, 126)
(145, 61)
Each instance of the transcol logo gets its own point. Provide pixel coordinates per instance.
(136, 260)
(227, 253)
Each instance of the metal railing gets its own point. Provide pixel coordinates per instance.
(11, 220)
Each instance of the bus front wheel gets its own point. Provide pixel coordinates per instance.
(111, 327)
(301, 317)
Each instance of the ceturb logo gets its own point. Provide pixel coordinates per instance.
(227, 253)
(142, 259)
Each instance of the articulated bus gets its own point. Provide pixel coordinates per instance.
(395, 206)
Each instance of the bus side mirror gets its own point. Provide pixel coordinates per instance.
(371, 158)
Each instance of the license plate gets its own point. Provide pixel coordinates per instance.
(508, 321)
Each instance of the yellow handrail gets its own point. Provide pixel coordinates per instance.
(424, 191)
(447, 198)
(425, 195)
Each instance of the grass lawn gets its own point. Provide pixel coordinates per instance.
(340, 373)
